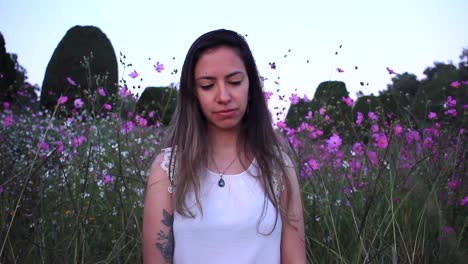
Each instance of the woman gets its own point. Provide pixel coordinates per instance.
(224, 190)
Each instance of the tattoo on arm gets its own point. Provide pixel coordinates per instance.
(165, 242)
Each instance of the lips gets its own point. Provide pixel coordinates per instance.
(226, 113)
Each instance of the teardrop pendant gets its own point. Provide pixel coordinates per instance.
(221, 183)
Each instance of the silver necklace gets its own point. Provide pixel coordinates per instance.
(221, 182)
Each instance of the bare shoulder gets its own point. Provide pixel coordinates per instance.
(158, 174)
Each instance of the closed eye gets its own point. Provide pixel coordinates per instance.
(206, 87)
(235, 83)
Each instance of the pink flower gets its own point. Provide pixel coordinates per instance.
(8, 120)
(294, 99)
(398, 130)
(71, 81)
(381, 141)
(106, 179)
(373, 158)
(78, 103)
(44, 146)
(159, 67)
(78, 141)
(428, 142)
(360, 118)
(313, 164)
(141, 121)
(451, 112)
(454, 184)
(390, 71)
(375, 128)
(62, 99)
(432, 116)
(107, 106)
(133, 74)
(334, 142)
(127, 127)
(101, 91)
(455, 84)
(358, 148)
(267, 95)
(451, 102)
(6, 105)
(339, 69)
(59, 146)
(322, 111)
(281, 125)
(448, 230)
(310, 115)
(306, 99)
(151, 114)
(348, 101)
(124, 92)
(372, 116)
(463, 202)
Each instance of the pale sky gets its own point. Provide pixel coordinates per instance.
(405, 35)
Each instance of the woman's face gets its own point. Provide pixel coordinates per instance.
(222, 88)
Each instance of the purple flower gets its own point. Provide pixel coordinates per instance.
(455, 84)
(360, 118)
(267, 95)
(107, 106)
(428, 142)
(59, 146)
(373, 158)
(141, 121)
(448, 230)
(127, 127)
(313, 164)
(78, 103)
(381, 141)
(463, 202)
(281, 125)
(375, 128)
(78, 141)
(454, 184)
(159, 67)
(372, 116)
(334, 142)
(101, 91)
(62, 99)
(106, 179)
(6, 105)
(432, 116)
(71, 81)
(358, 148)
(306, 99)
(347, 101)
(294, 99)
(133, 74)
(8, 120)
(451, 112)
(451, 102)
(44, 146)
(124, 92)
(322, 111)
(398, 130)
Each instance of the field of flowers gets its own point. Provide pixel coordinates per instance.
(71, 189)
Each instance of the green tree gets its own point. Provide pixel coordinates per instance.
(85, 55)
(159, 100)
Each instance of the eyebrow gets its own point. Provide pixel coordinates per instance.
(213, 78)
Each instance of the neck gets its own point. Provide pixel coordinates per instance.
(224, 143)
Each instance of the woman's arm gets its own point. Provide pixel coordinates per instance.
(158, 217)
(292, 237)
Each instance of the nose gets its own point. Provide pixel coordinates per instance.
(224, 95)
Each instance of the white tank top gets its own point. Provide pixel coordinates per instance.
(232, 228)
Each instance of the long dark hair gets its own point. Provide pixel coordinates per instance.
(188, 127)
